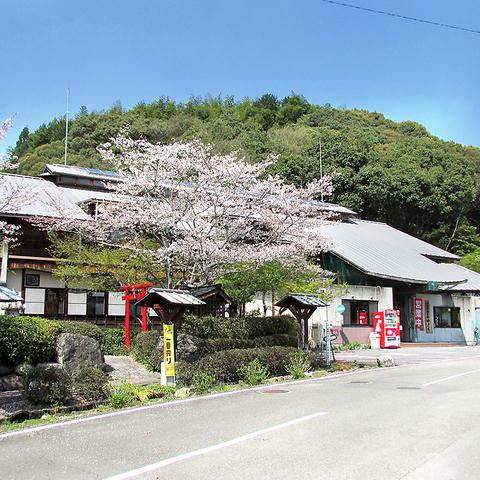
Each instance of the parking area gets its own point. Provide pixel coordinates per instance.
(411, 354)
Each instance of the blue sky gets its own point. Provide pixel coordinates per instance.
(109, 50)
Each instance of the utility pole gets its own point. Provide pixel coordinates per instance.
(321, 169)
(66, 127)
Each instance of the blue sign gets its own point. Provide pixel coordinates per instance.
(340, 308)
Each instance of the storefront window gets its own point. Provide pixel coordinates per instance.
(359, 312)
(96, 304)
(447, 317)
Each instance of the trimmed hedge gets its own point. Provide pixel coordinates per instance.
(224, 364)
(81, 328)
(27, 339)
(113, 342)
(243, 328)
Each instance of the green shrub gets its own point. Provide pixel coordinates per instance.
(276, 340)
(123, 395)
(144, 345)
(91, 384)
(254, 372)
(27, 339)
(50, 386)
(339, 347)
(203, 381)
(240, 328)
(127, 394)
(298, 364)
(113, 341)
(81, 328)
(224, 364)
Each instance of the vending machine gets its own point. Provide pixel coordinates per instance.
(387, 325)
(362, 317)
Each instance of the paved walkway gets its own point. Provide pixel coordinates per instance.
(407, 355)
(123, 368)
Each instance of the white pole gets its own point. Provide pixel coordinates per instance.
(4, 270)
(66, 127)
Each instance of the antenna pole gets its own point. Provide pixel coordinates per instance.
(321, 170)
(66, 127)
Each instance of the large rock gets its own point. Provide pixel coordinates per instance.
(5, 370)
(12, 382)
(75, 352)
(385, 361)
(185, 349)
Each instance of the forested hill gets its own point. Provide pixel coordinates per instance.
(388, 171)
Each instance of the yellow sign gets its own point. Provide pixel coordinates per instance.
(168, 350)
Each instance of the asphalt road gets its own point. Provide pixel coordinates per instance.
(413, 422)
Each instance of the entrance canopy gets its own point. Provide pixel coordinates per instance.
(302, 305)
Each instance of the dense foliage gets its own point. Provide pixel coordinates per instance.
(239, 328)
(51, 386)
(388, 171)
(224, 365)
(27, 339)
(32, 339)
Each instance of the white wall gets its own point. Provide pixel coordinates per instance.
(467, 305)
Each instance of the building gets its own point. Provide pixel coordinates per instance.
(382, 267)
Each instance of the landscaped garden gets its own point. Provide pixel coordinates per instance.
(213, 354)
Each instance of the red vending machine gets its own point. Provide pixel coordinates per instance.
(387, 325)
(362, 317)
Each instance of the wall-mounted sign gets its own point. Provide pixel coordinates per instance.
(340, 308)
(428, 320)
(168, 350)
(418, 313)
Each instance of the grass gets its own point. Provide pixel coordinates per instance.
(336, 367)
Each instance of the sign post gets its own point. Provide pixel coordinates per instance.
(168, 354)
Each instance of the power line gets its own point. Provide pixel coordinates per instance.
(403, 17)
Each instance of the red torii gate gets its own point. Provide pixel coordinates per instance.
(134, 292)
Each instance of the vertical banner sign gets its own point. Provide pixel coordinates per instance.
(168, 350)
(428, 320)
(418, 313)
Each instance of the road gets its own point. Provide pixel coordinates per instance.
(412, 422)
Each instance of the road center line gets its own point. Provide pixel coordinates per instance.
(212, 448)
(451, 377)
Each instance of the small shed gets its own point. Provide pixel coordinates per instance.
(170, 305)
(302, 305)
(215, 298)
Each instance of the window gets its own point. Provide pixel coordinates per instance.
(54, 301)
(32, 280)
(96, 304)
(447, 317)
(359, 312)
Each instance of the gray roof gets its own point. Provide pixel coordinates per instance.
(170, 297)
(8, 295)
(382, 251)
(305, 299)
(81, 172)
(473, 279)
(33, 196)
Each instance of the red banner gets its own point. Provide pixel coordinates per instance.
(418, 313)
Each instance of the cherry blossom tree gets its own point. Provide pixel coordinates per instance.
(202, 214)
(9, 196)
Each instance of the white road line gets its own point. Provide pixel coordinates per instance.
(445, 379)
(212, 448)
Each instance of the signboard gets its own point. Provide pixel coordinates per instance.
(418, 313)
(340, 308)
(168, 350)
(428, 320)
